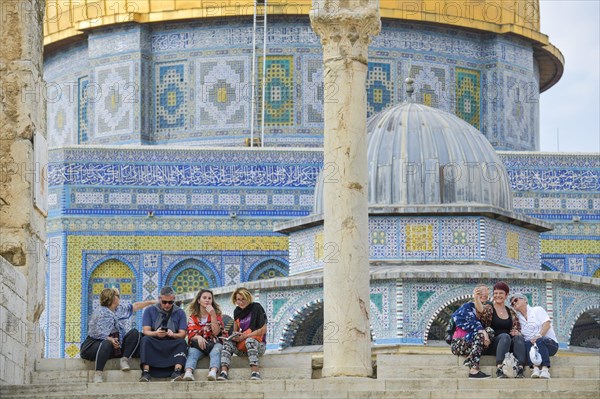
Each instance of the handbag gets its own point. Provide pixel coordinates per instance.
(242, 344)
(509, 365)
(210, 344)
(534, 355)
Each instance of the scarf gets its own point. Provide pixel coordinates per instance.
(164, 319)
(258, 317)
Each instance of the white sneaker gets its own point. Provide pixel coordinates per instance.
(545, 374)
(536, 373)
(97, 377)
(212, 375)
(124, 363)
(189, 376)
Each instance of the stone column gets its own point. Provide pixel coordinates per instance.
(22, 178)
(345, 28)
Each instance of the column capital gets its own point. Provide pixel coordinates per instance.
(345, 27)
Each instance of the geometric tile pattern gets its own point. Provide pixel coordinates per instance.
(180, 105)
(468, 95)
(222, 87)
(430, 84)
(171, 98)
(279, 91)
(380, 87)
(82, 116)
(113, 111)
(312, 91)
(267, 270)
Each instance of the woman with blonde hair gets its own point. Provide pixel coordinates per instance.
(248, 338)
(205, 324)
(107, 336)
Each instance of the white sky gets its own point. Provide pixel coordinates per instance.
(572, 105)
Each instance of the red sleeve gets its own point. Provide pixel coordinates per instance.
(193, 327)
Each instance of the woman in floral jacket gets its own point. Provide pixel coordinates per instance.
(470, 338)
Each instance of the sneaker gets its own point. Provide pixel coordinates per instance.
(189, 376)
(545, 374)
(145, 376)
(212, 375)
(520, 372)
(535, 373)
(479, 374)
(97, 377)
(500, 373)
(255, 375)
(177, 375)
(124, 363)
(222, 376)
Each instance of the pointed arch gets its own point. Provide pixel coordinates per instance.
(108, 272)
(267, 269)
(190, 275)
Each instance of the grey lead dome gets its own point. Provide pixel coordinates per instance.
(420, 155)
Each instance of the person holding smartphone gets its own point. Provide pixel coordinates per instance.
(163, 348)
(471, 338)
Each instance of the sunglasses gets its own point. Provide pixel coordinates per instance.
(168, 302)
(512, 303)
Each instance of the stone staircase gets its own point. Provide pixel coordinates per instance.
(402, 372)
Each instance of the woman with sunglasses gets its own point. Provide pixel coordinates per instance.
(108, 335)
(205, 324)
(248, 339)
(507, 328)
(163, 348)
(537, 330)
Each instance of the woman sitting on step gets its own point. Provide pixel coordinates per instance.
(205, 324)
(107, 334)
(248, 338)
(507, 328)
(470, 338)
(536, 327)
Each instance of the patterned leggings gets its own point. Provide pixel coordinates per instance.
(255, 349)
(472, 350)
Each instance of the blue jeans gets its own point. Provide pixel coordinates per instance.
(547, 347)
(196, 354)
(503, 343)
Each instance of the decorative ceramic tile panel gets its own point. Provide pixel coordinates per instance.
(171, 90)
(380, 86)
(279, 90)
(223, 91)
(468, 89)
(117, 94)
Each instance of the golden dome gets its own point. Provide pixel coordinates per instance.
(70, 18)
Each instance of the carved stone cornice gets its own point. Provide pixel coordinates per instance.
(345, 27)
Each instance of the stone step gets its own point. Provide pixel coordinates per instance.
(270, 359)
(117, 376)
(426, 372)
(448, 360)
(330, 388)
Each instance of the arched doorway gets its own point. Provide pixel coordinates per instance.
(437, 331)
(586, 331)
(111, 273)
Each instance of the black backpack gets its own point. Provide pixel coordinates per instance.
(450, 330)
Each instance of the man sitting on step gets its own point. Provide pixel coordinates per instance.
(163, 348)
